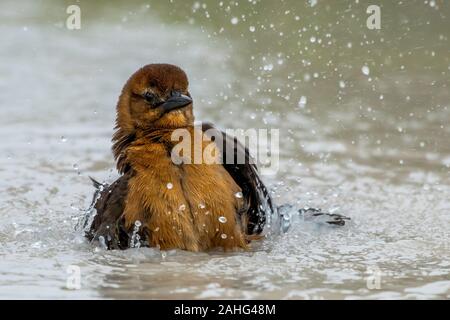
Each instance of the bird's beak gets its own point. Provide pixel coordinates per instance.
(176, 100)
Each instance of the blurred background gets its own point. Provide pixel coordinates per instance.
(363, 117)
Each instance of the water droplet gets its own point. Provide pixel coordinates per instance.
(302, 102)
(102, 242)
(169, 186)
(238, 195)
(252, 28)
(365, 70)
(223, 236)
(182, 207)
(234, 20)
(156, 229)
(201, 205)
(63, 139)
(222, 219)
(135, 237)
(342, 84)
(268, 67)
(75, 166)
(286, 222)
(312, 39)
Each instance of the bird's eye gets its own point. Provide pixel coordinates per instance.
(149, 97)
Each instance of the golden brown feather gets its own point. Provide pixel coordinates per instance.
(199, 209)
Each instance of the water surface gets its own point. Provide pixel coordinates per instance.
(371, 142)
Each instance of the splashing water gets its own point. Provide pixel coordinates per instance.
(302, 102)
(135, 241)
(86, 219)
(102, 242)
(365, 70)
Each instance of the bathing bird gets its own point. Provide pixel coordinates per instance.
(168, 202)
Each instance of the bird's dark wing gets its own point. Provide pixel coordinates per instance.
(315, 215)
(109, 202)
(329, 218)
(258, 203)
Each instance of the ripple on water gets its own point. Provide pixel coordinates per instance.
(344, 148)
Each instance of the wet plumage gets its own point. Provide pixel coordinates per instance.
(187, 206)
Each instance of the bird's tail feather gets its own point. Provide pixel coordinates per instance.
(96, 184)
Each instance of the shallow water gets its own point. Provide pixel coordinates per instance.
(373, 147)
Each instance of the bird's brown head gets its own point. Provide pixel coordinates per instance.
(155, 97)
